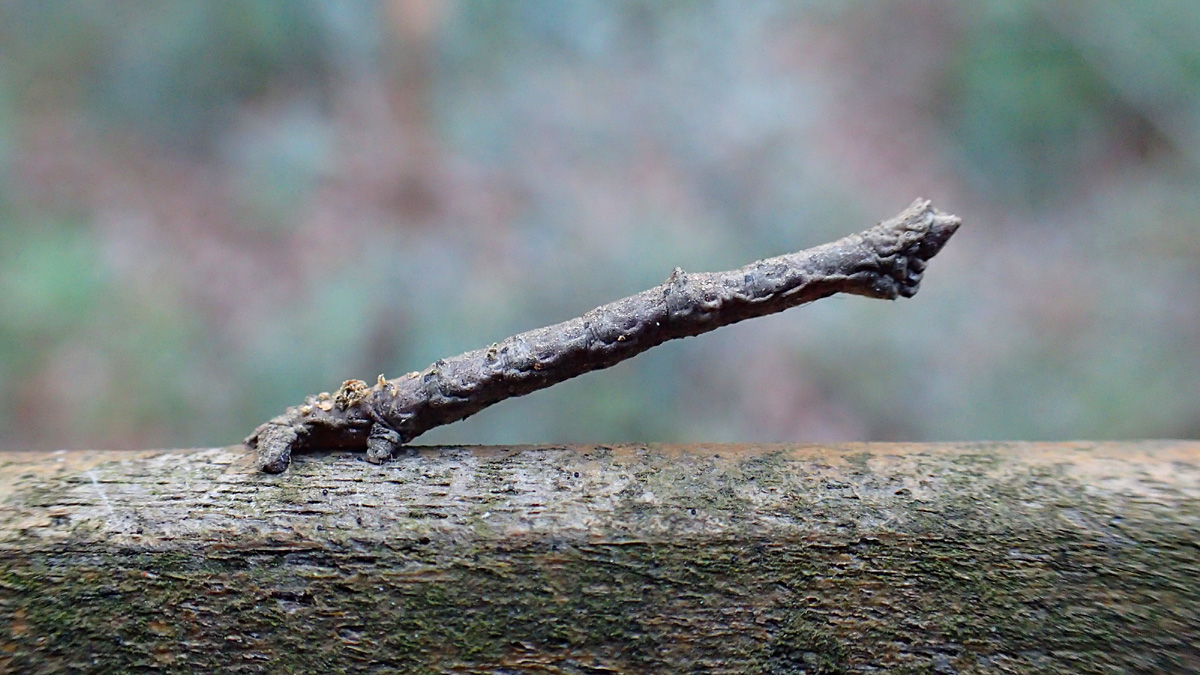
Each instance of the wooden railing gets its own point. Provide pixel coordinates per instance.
(967, 558)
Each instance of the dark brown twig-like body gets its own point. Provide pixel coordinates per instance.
(884, 262)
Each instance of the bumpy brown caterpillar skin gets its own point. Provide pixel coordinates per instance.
(885, 262)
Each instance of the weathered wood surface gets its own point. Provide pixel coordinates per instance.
(951, 558)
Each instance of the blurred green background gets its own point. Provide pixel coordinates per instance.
(211, 209)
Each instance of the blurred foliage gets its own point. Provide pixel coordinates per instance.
(1027, 103)
(1032, 105)
(174, 69)
(209, 210)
